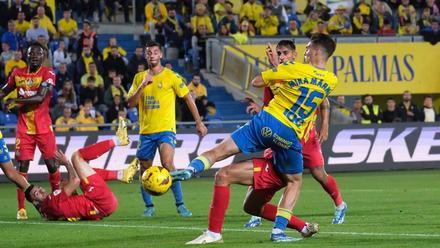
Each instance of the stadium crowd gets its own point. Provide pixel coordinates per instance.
(92, 82)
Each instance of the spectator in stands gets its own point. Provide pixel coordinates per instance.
(173, 29)
(116, 89)
(220, 10)
(93, 71)
(88, 38)
(89, 115)
(87, 8)
(432, 34)
(123, 114)
(156, 15)
(365, 29)
(321, 9)
(112, 42)
(197, 87)
(394, 5)
(425, 19)
(321, 28)
(267, 23)
(17, 7)
(66, 119)
(434, 8)
(6, 55)
(12, 37)
(356, 21)
(339, 113)
(186, 114)
(356, 111)
(229, 22)
(68, 92)
(391, 113)
(36, 30)
(382, 15)
(364, 8)
(279, 11)
(243, 34)
(410, 111)
(293, 29)
(61, 55)
(86, 58)
(58, 109)
(46, 22)
(386, 29)
(252, 11)
(407, 18)
(21, 24)
(340, 22)
(311, 22)
(198, 47)
(68, 29)
(62, 75)
(47, 10)
(16, 62)
(114, 107)
(112, 5)
(201, 19)
(137, 59)
(428, 113)
(114, 61)
(48, 58)
(340, 100)
(89, 92)
(371, 113)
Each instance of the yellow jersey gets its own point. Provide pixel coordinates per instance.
(67, 28)
(157, 104)
(298, 90)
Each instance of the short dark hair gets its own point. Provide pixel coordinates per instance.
(367, 95)
(427, 96)
(153, 44)
(391, 98)
(27, 192)
(287, 43)
(324, 41)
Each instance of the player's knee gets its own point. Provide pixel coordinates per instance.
(251, 209)
(51, 165)
(222, 176)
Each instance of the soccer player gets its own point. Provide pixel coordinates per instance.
(33, 84)
(311, 148)
(154, 91)
(299, 90)
(97, 200)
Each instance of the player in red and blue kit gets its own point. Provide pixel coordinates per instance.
(33, 85)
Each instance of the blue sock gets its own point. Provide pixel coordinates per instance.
(280, 223)
(200, 164)
(178, 194)
(148, 200)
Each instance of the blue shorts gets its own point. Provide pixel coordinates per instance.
(150, 142)
(265, 131)
(4, 152)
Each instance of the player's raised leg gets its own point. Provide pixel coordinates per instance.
(239, 173)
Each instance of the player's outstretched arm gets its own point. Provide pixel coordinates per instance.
(201, 128)
(73, 179)
(258, 82)
(43, 91)
(324, 112)
(14, 176)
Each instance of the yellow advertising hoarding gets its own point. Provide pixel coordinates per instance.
(378, 68)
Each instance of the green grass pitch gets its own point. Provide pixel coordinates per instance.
(386, 209)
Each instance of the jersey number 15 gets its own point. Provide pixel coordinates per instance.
(305, 105)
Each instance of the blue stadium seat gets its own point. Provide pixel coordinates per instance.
(10, 119)
(133, 115)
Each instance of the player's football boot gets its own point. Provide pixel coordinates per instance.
(206, 238)
(312, 228)
(149, 211)
(21, 214)
(339, 216)
(282, 237)
(183, 211)
(121, 133)
(181, 175)
(130, 171)
(253, 222)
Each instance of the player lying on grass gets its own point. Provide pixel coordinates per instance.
(281, 125)
(97, 200)
(8, 168)
(311, 143)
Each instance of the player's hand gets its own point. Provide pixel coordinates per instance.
(272, 55)
(323, 133)
(201, 129)
(148, 79)
(253, 108)
(61, 158)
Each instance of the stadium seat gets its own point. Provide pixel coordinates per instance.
(133, 115)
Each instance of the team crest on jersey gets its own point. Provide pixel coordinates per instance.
(266, 132)
(29, 82)
(159, 85)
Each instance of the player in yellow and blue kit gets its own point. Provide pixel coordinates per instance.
(298, 90)
(8, 168)
(154, 92)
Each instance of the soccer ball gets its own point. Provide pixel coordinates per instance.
(156, 180)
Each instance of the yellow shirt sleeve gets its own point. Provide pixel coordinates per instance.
(280, 73)
(179, 86)
(136, 82)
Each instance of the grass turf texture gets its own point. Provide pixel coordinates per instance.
(386, 209)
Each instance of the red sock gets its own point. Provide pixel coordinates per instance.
(20, 193)
(107, 175)
(331, 187)
(269, 212)
(96, 150)
(55, 180)
(219, 205)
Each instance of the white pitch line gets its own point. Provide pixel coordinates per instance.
(202, 229)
